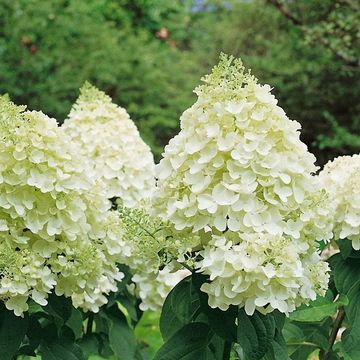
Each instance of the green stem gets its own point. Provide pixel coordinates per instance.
(337, 324)
(186, 266)
(307, 343)
(142, 227)
(89, 324)
(227, 350)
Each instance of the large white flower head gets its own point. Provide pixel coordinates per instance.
(56, 232)
(109, 139)
(239, 176)
(341, 179)
(238, 162)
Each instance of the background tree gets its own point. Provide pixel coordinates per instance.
(148, 55)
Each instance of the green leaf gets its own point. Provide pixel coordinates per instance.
(89, 344)
(278, 349)
(276, 352)
(303, 338)
(141, 354)
(60, 306)
(180, 307)
(222, 322)
(216, 347)
(12, 331)
(60, 348)
(147, 333)
(346, 352)
(292, 332)
(280, 319)
(353, 310)
(34, 332)
(189, 343)
(186, 303)
(347, 280)
(351, 337)
(132, 307)
(300, 339)
(346, 248)
(75, 322)
(294, 336)
(36, 308)
(101, 323)
(61, 351)
(60, 309)
(319, 309)
(346, 274)
(350, 344)
(121, 336)
(255, 334)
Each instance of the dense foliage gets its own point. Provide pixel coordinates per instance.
(148, 55)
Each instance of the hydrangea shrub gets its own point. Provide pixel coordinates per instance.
(234, 242)
(239, 177)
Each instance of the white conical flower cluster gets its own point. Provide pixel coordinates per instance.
(104, 133)
(341, 179)
(237, 163)
(56, 232)
(238, 167)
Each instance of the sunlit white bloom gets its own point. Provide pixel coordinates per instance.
(237, 163)
(238, 175)
(341, 179)
(104, 133)
(57, 233)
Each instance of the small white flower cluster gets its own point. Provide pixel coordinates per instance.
(104, 133)
(341, 179)
(56, 232)
(153, 288)
(238, 167)
(146, 234)
(261, 271)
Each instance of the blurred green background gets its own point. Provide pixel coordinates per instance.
(150, 54)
